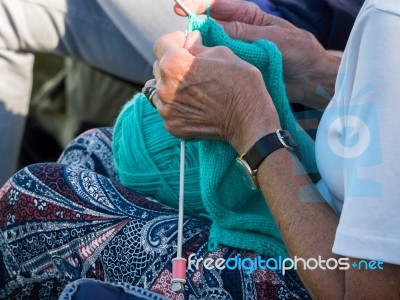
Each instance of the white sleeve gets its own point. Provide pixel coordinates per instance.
(369, 90)
(142, 22)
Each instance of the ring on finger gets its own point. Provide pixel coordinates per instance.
(149, 92)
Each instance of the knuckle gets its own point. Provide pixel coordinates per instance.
(223, 51)
(160, 41)
(173, 65)
(159, 45)
(253, 70)
(253, 6)
(308, 36)
(237, 29)
(251, 10)
(164, 65)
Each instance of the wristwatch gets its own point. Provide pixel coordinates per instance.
(251, 160)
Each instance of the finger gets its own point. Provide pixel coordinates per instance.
(249, 13)
(219, 9)
(195, 6)
(181, 8)
(248, 32)
(156, 70)
(151, 82)
(233, 10)
(169, 41)
(194, 43)
(157, 103)
(271, 20)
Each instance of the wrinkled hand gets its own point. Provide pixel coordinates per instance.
(210, 93)
(307, 64)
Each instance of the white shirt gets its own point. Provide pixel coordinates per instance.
(358, 139)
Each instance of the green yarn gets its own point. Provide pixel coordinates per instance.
(147, 158)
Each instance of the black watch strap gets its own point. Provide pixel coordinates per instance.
(261, 149)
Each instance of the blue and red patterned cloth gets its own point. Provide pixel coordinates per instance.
(64, 221)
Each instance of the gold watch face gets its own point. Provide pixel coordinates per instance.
(249, 176)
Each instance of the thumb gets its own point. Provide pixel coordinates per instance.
(194, 42)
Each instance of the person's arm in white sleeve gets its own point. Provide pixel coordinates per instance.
(370, 97)
(143, 22)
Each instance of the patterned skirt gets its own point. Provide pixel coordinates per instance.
(64, 221)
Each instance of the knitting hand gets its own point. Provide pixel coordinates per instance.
(210, 92)
(307, 64)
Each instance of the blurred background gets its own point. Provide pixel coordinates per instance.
(46, 67)
(68, 97)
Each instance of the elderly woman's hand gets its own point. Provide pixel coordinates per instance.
(307, 65)
(210, 92)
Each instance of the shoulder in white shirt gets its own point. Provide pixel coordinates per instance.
(357, 145)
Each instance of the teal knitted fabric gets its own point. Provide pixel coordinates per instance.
(147, 158)
(267, 58)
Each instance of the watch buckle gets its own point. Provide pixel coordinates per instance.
(252, 173)
(282, 140)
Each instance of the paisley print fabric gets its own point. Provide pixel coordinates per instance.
(64, 221)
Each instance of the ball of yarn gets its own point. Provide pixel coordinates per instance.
(147, 157)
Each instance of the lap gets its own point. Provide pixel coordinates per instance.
(63, 222)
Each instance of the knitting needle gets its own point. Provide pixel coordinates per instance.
(179, 263)
(181, 198)
(184, 7)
